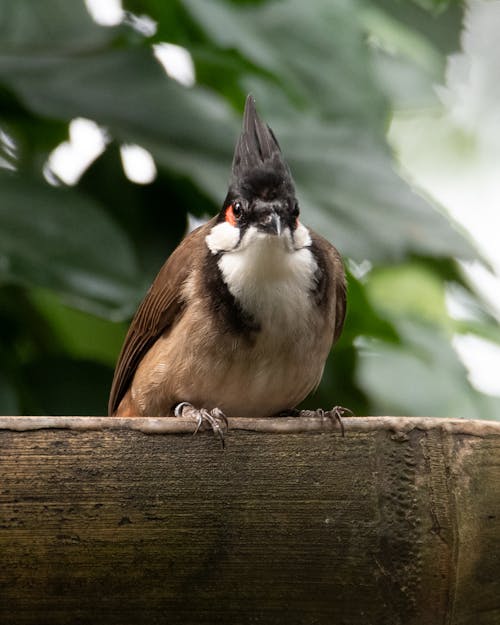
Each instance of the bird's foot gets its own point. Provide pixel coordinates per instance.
(335, 414)
(215, 419)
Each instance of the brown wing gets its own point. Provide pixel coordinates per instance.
(332, 282)
(340, 304)
(159, 309)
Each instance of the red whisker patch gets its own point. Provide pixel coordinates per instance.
(230, 218)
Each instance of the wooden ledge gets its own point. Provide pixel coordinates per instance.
(110, 521)
(288, 425)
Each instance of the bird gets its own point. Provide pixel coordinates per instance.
(242, 316)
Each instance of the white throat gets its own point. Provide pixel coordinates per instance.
(271, 279)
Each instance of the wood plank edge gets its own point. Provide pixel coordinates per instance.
(271, 425)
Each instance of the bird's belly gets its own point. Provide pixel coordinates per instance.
(260, 387)
(242, 377)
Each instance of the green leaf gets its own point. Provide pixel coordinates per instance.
(190, 131)
(328, 73)
(60, 69)
(79, 334)
(489, 331)
(154, 216)
(172, 22)
(422, 377)
(58, 239)
(363, 318)
(9, 404)
(48, 26)
(408, 290)
(441, 26)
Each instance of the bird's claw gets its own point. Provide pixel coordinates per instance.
(335, 414)
(215, 418)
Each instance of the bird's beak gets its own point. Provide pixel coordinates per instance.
(270, 223)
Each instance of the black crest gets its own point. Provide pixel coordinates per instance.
(258, 161)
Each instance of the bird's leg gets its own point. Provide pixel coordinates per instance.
(335, 414)
(215, 418)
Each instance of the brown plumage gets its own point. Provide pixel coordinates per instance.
(159, 309)
(243, 314)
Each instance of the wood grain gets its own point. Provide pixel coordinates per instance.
(136, 521)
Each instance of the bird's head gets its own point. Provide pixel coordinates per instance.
(260, 204)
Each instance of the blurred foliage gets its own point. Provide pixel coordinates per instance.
(75, 262)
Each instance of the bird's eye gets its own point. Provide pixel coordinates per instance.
(233, 213)
(237, 209)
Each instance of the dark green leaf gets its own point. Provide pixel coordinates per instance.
(189, 130)
(9, 404)
(58, 239)
(327, 73)
(60, 385)
(77, 333)
(48, 26)
(154, 216)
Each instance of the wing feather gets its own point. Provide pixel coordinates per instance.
(160, 308)
(331, 282)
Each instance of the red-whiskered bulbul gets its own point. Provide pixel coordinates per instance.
(242, 316)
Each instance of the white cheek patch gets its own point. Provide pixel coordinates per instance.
(301, 237)
(222, 238)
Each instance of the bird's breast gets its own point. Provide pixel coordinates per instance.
(211, 364)
(279, 363)
(271, 282)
